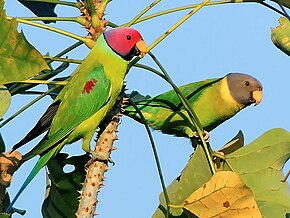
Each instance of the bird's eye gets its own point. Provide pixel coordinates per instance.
(128, 37)
(247, 83)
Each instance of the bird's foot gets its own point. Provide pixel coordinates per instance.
(99, 156)
(205, 136)
(219, 158)
(195, 139)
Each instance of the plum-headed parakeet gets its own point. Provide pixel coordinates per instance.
(86, 99)
(213, 100)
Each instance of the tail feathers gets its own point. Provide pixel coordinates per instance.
(42, 161)
(41, 126)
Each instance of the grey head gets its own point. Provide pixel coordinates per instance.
(245, 89)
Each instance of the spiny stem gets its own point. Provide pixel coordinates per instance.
(155, 154)
(102, 7)
(178, 24)
(27, 106)
(90, 43)
(194, 119)
(62, 60)
(133, 21)
(95, 19)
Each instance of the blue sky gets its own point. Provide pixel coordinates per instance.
(215, 41)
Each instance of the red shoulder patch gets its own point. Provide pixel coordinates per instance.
(89, 85)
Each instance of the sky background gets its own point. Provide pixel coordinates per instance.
(215, 41)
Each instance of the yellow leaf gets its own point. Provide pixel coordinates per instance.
(224, 195)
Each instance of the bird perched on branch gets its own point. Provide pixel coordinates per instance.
(213, 100)
(86, 99)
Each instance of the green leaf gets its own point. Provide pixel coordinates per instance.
(281, 35)
(40, 9)
(191, 178)
(19, 60)
(234, 144)
(15, 88)
(62, 195)
(5, 100)
(259, 165)
(136, 96)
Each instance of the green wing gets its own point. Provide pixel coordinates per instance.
(165, 112)
(81, 98)
(170, 100)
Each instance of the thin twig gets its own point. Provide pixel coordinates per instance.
(133, 21)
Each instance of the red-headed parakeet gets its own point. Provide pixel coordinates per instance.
(86, 99)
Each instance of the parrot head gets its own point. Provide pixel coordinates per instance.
(245, 89)
(126, 42)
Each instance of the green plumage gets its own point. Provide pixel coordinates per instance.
(211, 100)
(86, 99)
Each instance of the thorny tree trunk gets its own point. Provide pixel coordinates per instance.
(94, 180)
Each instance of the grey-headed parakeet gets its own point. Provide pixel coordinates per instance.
(213, 100)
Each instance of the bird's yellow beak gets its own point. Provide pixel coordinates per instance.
(258, 95)
(141, 46)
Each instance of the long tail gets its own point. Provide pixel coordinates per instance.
(37, 167)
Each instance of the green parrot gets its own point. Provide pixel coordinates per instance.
(86, 99)
(213, 100)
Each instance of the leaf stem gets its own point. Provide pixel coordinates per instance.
(179, 9)
(178, 24)
(90, 43)
(62, 60)
(80, 20)
(194, 119)
(272, 8)
(133, 21)
(155, 154)
(61, 83)
(68, 49)
(27, 106)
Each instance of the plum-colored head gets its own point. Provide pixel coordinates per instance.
(126, 42)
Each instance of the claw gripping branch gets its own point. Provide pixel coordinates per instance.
(94, 180)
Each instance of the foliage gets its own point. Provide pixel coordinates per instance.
(251, 172)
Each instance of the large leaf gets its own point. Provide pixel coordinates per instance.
(5, 100)
(15, 88)
(40, 9)
(259, 165)
(194, 175)
(281, 35)
(19, 60)
(224, 195)
(62, 195)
